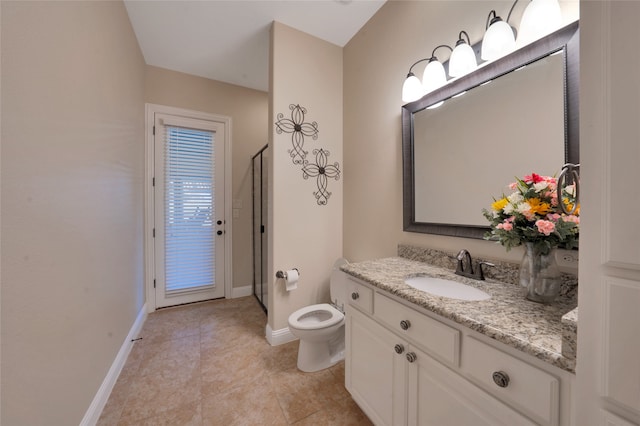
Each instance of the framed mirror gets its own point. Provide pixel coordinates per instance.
(466, 141)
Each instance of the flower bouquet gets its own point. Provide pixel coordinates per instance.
(531, 216)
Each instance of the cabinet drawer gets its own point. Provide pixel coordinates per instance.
(360, 296)
(530, 390)
(430, 335)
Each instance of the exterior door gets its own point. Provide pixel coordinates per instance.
(189, 230)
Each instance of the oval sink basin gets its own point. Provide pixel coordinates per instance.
(446, 288)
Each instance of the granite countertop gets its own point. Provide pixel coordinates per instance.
(507, 317)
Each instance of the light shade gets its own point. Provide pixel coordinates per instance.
(462, 60)
(541, 17)
(434, 76)
(412, 88)
(498, 41)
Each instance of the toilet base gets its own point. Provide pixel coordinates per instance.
(316, 356)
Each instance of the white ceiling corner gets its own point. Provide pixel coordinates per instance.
(228, 40)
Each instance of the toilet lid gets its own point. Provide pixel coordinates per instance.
(315, 317)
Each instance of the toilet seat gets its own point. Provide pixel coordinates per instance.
(315, 317)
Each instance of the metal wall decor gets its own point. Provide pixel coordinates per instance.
(321, 169)
(298, 129)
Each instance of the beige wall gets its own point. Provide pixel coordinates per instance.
(305, 71)
(376, 62)
(248, 110)
(72, 174)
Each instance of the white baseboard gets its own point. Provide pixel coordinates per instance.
(245, 291)
(279, 337)
(100, 400)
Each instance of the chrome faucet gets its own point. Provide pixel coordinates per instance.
(465, 266)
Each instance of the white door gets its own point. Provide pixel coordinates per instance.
(608, 361)
(189, 230)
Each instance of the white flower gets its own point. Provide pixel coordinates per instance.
(508, 209)
(540, 186)
(515, 198)
(571, 190)
(524, 208)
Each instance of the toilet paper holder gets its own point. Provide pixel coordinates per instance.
(283, 274)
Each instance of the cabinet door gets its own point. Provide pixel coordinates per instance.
(440, 397)
(375, 374)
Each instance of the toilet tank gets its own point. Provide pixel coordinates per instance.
(338, 284)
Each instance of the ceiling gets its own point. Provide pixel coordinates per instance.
(228, 40)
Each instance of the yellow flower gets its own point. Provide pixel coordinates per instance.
(538, 206)
(499, 204)
(569, 206)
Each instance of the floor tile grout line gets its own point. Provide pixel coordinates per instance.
(227, 314)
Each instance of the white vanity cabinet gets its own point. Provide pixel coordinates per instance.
(404, 367)
(375, 374)
(395, 383)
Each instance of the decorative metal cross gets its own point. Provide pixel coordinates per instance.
(298, 129)
(322, 170)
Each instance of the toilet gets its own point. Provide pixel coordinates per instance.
(320, 327)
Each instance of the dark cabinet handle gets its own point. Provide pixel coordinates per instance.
(355, 295)
(219, 232)
(411, 357)
(501, 379)
(399, 348)
(405, 324)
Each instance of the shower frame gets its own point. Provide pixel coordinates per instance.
(259, 288)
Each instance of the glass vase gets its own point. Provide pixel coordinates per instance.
(539, 274)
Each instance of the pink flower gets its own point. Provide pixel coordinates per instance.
(572, 218)
(553, 216)
(553, 185)
(533, 178)
(545, 227)
(506, 225)
(513, 186)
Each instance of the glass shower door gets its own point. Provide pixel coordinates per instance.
(260, 188)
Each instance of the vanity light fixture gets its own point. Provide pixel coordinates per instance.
(541, 17)
(463, 58)
(434, 75)
(412, 89)
(499, 39)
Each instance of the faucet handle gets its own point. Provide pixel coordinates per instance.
(480, 272)
(460, 268)
(461, 254)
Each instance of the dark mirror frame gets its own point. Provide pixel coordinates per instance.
(566, 39)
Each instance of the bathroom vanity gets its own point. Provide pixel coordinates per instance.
(413, 358)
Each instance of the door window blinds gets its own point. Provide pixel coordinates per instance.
(189, 209)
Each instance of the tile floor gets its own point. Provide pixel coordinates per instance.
(209, 364)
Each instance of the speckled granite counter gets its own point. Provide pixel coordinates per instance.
(569, 333)
(508, 317)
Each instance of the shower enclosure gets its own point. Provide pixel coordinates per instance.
(259, 172)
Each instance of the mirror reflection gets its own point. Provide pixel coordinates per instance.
(470, 147)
